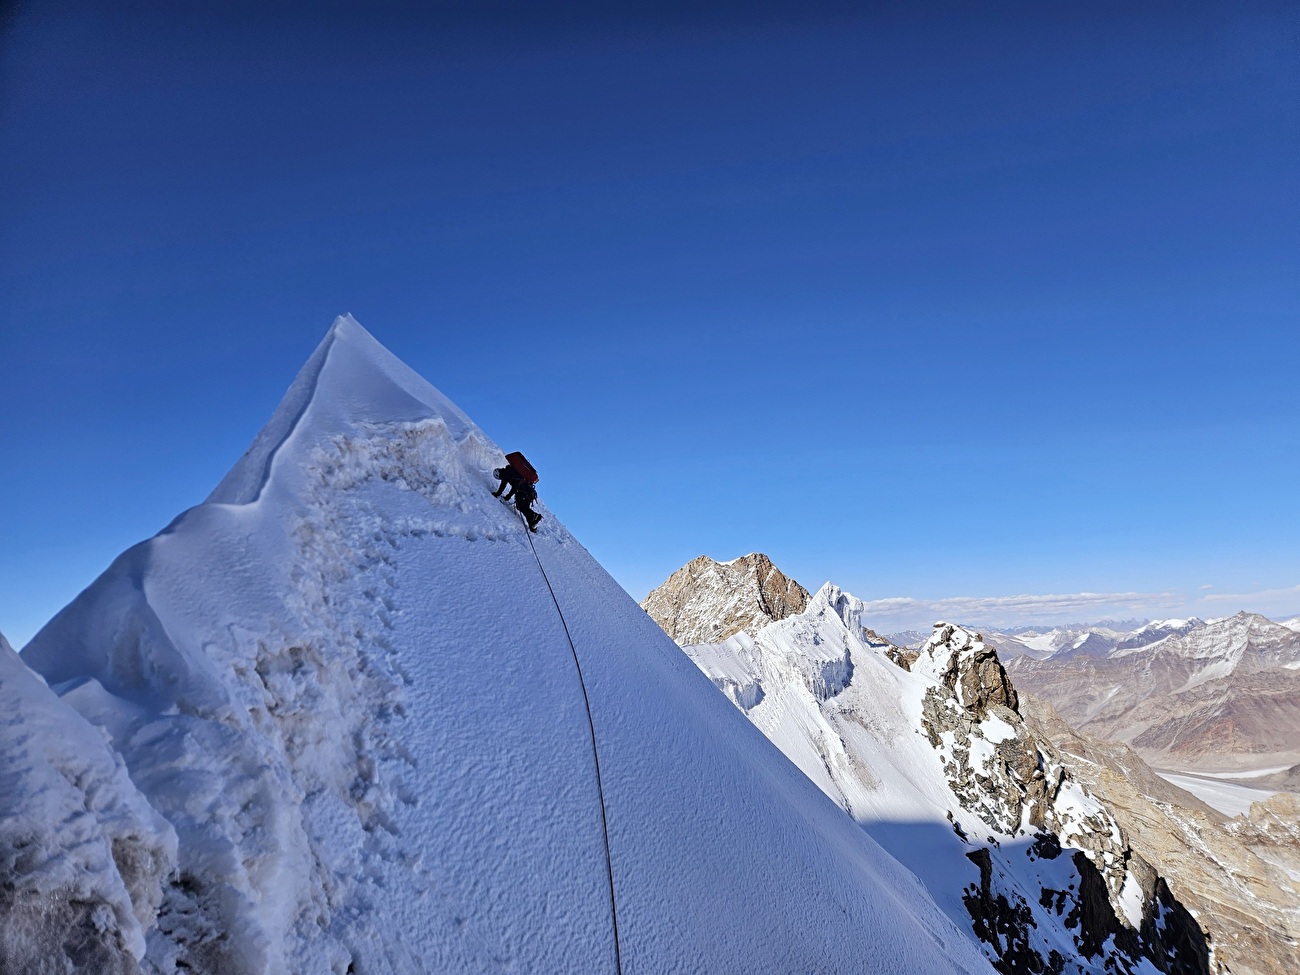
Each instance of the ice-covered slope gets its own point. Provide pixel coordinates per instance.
(82, 854)
(344, 683)
(927, 750)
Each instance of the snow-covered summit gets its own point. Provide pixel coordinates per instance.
(344, 684)
(350, 379)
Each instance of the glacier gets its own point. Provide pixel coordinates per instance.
(337, 708)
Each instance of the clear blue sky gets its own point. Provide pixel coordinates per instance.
(975, 300)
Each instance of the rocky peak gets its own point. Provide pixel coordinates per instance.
(1159, 629)
(1020, 786)
(968, 667)
(707, 601)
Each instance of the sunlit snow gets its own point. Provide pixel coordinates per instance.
(343, 684)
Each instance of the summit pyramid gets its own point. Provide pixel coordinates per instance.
(384, 730)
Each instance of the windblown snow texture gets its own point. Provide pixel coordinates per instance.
(343, 682)
(82, 854)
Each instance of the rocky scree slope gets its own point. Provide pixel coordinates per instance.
(705, 601)
(928, 751)
(357, 742)
(1239, 874)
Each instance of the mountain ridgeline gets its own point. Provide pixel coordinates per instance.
(348, 716)
(1061, 853)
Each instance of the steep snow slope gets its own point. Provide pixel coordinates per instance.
(344, 683)
(82, 854)
(926, 749)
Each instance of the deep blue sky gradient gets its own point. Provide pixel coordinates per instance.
(969, 300)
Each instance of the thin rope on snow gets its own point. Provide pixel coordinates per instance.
(595, 752)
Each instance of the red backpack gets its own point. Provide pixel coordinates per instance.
(520, 463)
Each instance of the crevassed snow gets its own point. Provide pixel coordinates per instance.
(344, 684)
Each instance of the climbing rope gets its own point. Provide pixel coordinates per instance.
(595, 753)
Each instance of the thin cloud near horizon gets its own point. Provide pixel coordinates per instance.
(906, 612)
(1018, 609)
(1291, 591)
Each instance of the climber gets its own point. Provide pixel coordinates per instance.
(510, 480)
(517, 479)
(525, 495)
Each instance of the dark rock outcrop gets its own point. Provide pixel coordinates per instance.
(1119, 908)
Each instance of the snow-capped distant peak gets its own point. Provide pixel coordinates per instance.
(1156, 631)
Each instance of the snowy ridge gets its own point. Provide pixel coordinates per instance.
(926, 750)
(343, 684)
(403, 396)
(82, 853)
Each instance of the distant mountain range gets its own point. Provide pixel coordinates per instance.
(1216, 695)
(1189, 694)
